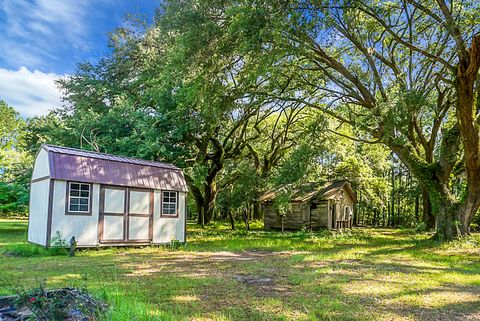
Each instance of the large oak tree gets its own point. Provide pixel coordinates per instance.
(404, 74)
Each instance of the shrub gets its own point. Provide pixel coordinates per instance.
(43, 307)
(58, 241)
(13, 200)
(421, 227)
(174, 245)
(474, 227)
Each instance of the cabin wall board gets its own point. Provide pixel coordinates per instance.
(319, 215)
(341, 207)
(295, 219)
(329, 209)
(38, 216)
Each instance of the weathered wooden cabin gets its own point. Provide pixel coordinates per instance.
(103, 199)
(314, 206)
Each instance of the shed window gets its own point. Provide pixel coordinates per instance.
(169, 203)
(79, 198)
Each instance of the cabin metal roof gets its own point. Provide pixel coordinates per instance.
(306, 192)
(80, 165)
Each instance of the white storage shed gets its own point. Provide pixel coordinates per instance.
(103, 199)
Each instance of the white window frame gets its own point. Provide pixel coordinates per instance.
(169, 203)
(88, 198)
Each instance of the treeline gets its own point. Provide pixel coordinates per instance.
(249, 95)
(15, 163)
(403, 206)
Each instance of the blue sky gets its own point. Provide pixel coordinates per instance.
(43, 40)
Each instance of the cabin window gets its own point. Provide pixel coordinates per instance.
(79, 197)
(169, 203)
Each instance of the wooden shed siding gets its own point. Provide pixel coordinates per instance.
(319, 215)
(166, 229)
(297, 218)
(83, 227)
(38, 212)
(41, 167)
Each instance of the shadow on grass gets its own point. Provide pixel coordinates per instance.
(364, 274)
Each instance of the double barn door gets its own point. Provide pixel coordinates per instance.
(126, 215)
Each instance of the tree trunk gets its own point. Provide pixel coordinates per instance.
(201, 215)
(386, 223)
(467, 72)
(392, 212)
(447, 212)
(356, 214)
(205, 197)
(245, 219)
(232, 221)
(199, 200)
(257, 213)
(383, 216)
(428, 217)
(210, 196)
(446, 229)
(417, 205)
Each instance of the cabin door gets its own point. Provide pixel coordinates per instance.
(126, 215)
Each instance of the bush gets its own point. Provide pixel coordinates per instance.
(13, 200)
(474, 227)
(174, 245)
(421, 227)
(58, 240)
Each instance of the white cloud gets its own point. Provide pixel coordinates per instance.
(31, 93)
(34, 31)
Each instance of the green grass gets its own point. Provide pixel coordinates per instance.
(364, 274)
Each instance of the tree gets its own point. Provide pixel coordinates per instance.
(173, 91)
(282, 205)
(15, 162)
(402, 74)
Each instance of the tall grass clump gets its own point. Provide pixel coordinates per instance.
(30, 250)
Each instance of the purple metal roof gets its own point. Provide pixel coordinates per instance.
(85, 166)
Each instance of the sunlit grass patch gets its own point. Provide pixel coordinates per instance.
(363, 274)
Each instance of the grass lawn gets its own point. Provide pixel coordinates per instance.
(367, 274)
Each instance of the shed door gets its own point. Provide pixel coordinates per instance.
(140, 215)
(126, 215)
(113, 205)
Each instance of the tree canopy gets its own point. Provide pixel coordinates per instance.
(246, 95)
